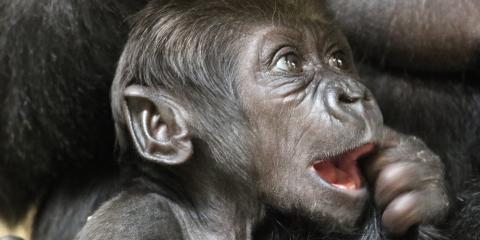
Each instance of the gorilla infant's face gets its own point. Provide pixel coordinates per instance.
(311, 118)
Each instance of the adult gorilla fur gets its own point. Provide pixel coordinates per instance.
(57, 60)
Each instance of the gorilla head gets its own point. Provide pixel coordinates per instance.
(271, 98)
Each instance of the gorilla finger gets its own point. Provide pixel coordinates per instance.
(398, 178)
(414, 208)
(373, 166)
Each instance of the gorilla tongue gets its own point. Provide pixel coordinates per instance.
(342, 171)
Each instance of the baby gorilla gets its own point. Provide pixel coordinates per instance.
(222, 108)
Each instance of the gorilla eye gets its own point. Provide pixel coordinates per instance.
(289, 62)
(339, 60)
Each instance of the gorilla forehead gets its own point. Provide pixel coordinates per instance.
(210, 30)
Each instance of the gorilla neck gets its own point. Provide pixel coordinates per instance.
(223, 207)
(225, 223)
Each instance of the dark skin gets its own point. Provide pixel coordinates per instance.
(309, 122)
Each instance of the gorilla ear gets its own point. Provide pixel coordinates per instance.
(158, 125)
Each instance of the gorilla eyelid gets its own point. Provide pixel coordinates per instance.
(283, 54)
(338, 59)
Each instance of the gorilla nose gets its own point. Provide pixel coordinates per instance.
(347, 100)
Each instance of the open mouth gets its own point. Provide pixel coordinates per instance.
(342, 171)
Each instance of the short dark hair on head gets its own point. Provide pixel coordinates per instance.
(181, 45)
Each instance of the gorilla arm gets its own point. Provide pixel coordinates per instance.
(420, 34)
(133, 215)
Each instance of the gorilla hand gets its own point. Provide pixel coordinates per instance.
(408, 181)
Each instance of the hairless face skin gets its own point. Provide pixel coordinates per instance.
(269, 113)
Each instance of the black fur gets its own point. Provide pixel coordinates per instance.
(442, 109)
(68, 204)
(57, 60)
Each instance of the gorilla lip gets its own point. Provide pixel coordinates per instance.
(342, 171)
